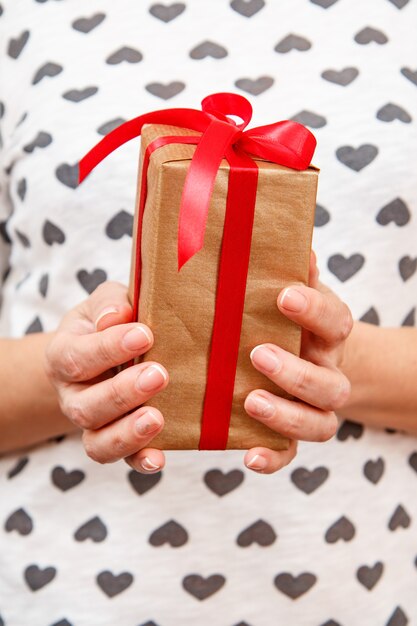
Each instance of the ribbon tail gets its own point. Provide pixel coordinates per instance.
(198, 188)
(186, 118)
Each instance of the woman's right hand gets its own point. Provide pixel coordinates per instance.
(81, 362)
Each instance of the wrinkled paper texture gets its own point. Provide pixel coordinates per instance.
(179, 306)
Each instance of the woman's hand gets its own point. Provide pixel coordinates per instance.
(82, 365)
(315, 379)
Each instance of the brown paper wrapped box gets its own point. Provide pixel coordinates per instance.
(179, 306)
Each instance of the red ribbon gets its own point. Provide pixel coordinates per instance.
(286, 143)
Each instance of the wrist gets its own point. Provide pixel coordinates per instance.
(352, 365)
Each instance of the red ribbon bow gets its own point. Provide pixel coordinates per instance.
(285, 143)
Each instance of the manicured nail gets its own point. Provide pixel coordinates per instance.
(265, 359)
(107, 311)
(147, 423)
(293, 300)
(136, 339)
(148, 465)
(257, 463)
(259, 405)
(151, 378)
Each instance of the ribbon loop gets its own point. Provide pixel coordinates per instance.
(286, 143)
(228, 104)
(199, 185)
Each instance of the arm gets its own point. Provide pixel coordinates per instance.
(381, 364)
(30, 411)
(73, 372)
(346, 368)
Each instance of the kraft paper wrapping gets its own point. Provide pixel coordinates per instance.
(179, 306)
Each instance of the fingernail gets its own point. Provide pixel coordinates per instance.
(106, 311)
(136, 339)
(147, 423)
(259, 405)
(148, 465)
(265, 358)
(257, 463)
(151, 378)
(293, 300)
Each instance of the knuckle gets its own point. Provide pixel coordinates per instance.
(91, 450)
(55, 352)
(118, 395)
(295, 421)
(75, 412)
(341, 393)
(119, 447)
(292, 452)
(329, 428)
(302, 378)
(69, 365)
(321, 308)
(104, 351)
(346, 324)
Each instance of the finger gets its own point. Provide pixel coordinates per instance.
(325, 388)
(123, 437)
(313, 271)
(80, 358)
(107, 305)
(96, 405)
(295, 420)
(324, 314)
(147, 461)
(266, 461)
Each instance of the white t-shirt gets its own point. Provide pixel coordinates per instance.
(329, 540)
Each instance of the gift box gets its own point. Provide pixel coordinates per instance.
(210, 305)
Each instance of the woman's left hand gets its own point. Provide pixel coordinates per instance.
(314, 379)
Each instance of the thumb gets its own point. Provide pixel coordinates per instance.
(109, 305)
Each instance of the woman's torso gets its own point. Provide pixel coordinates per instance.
(330, 537)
